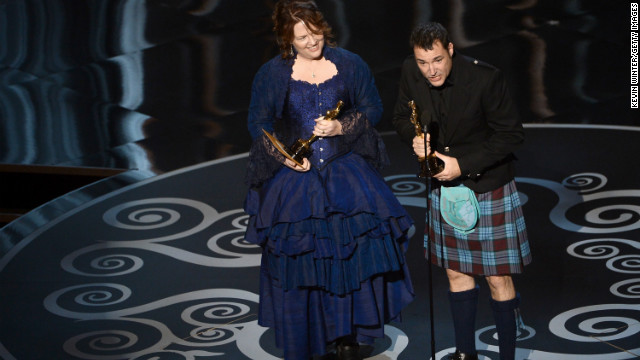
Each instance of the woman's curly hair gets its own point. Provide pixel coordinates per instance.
(288, 13)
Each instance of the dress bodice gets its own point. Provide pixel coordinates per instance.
(306, 102)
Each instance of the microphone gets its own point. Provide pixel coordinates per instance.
(432, 163)
(426, 154)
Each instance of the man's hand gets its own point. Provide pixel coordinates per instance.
(306, 165)
(418, 145)
(451, 168)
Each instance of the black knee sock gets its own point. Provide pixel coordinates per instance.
(463, 308)
(505, 314)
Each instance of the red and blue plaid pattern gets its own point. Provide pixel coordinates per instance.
(499, 244)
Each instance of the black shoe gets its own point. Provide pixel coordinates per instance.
(462, 356)
(348, 351)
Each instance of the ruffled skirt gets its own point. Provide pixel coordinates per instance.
(333, 262)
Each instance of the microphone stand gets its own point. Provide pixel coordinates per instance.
(428, 221)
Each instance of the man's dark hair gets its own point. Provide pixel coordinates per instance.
(425, 34)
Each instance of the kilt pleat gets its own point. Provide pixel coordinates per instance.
(499, 244)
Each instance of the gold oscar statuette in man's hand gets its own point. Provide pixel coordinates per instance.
(429, 165)
(301, 148)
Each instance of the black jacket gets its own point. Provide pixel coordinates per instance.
(482, 128)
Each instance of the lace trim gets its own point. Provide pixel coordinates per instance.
(264, 161)
(363, 138)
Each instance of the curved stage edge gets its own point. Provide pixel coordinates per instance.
(151, 267)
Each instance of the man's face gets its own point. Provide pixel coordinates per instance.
(435, 64)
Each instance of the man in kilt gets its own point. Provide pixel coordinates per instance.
(473, 128)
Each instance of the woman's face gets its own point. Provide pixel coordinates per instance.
(307, 44)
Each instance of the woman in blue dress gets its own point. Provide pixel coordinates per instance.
(333, 234)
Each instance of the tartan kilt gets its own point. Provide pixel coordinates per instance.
(499, 244)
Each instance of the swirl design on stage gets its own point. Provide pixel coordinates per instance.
(409, 189)
(585, 182)
(219, 316)
(591, 323)
(174, 319)
(582, 209)
(207, 318)
(610, 249)
(629, 289)
(145, 217)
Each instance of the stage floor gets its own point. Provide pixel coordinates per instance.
(160, 268)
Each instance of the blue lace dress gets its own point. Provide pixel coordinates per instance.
(334, 238)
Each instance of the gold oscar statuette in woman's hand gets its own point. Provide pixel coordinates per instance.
(429, 165)
(301, 148)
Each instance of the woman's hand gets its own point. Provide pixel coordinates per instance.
(306, 165)
(326, 128)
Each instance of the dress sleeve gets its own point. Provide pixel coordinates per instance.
(358, 131)
(264, 158)
(360, 136)
(264, 161)
(367, 100)
(262, 105)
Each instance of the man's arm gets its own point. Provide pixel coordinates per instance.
(402, 111)
(507, 134)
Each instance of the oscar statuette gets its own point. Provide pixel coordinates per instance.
(429, 165)
(301, 148)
